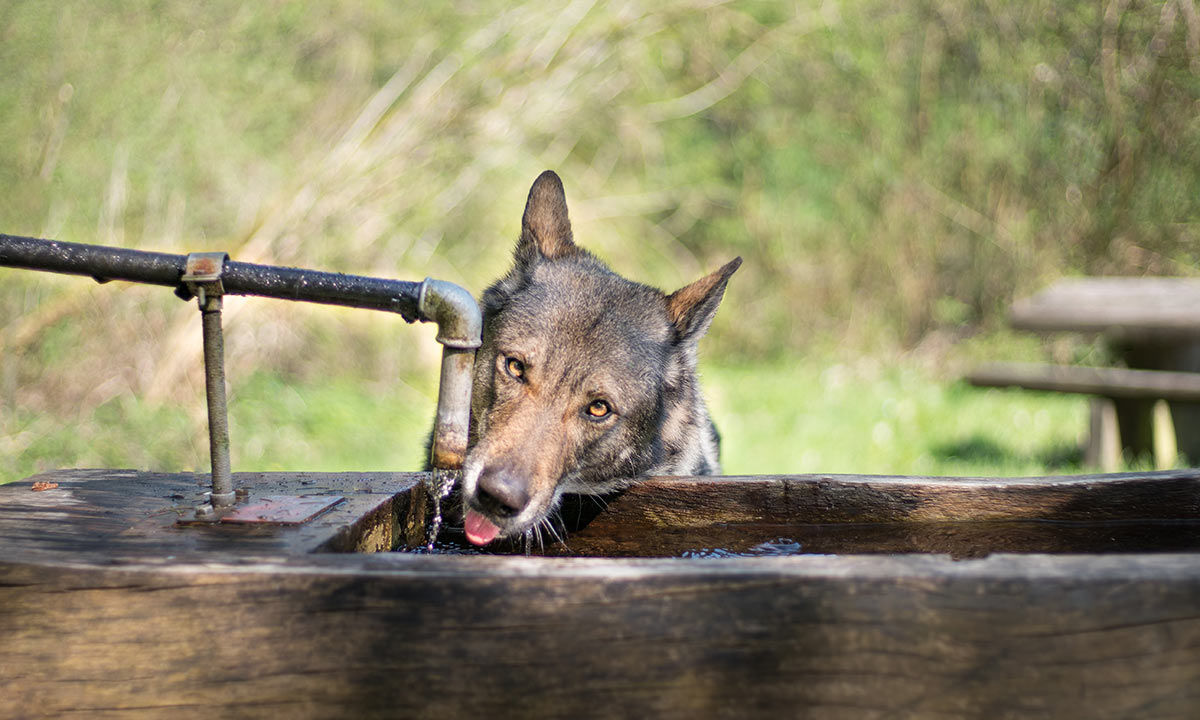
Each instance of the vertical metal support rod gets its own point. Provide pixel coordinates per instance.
(202, 280)
(218, 419)
(449, 446)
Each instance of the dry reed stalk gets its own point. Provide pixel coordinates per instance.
(410, 176)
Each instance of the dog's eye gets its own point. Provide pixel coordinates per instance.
(514, 367)
(599, 409)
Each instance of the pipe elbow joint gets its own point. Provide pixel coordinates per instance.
(457, 315)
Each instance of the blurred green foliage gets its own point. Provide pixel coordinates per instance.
(893, 174)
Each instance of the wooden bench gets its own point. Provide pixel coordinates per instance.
(1108, 385)
(1148, 324)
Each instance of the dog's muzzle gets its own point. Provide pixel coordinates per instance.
(497, 501)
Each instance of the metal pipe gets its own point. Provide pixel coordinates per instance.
(202, 278)
(452, 308)
(358, 291)
(460, 327)
(110, 263)
(98, 261)
(218, 419)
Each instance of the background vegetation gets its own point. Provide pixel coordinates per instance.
(893, 174)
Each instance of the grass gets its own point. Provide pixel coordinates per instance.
(893, 175)
(817, 418)
(274, 425)
(798, 417)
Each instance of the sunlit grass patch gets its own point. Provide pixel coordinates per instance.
(808, 417)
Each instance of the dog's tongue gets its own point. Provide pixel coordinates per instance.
(480, 530)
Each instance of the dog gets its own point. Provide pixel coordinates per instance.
(584, 379)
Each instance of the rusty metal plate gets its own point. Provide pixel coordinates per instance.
(283, 509)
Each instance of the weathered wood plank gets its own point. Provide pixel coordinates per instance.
(782, 499)
(397, 636)
(133, 514)
(1105, 382)
(962, 517)
(129, 516)
(153, 619)
(1127, 308)
(958, 540)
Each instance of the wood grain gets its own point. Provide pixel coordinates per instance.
(145, 623)
(396, 636)
(130, 515)
(1143, 309)
(1104, 382)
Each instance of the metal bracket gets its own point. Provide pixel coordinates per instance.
(202, 278)
(283, 509)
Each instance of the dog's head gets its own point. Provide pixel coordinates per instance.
(576, 369)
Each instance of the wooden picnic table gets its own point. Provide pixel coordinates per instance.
(1160, 313)
(1150, 324)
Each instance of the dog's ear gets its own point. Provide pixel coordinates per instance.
(545, 228)
(692, 307)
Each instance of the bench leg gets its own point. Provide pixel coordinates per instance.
(1166, 453)
(1136, 420)
(1178, 356)
(1104, 436)
(1186, 418)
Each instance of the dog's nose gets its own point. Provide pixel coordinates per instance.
(502, 494)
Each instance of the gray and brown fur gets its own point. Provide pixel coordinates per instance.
(582, 334)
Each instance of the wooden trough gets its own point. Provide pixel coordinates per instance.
(912, 597)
